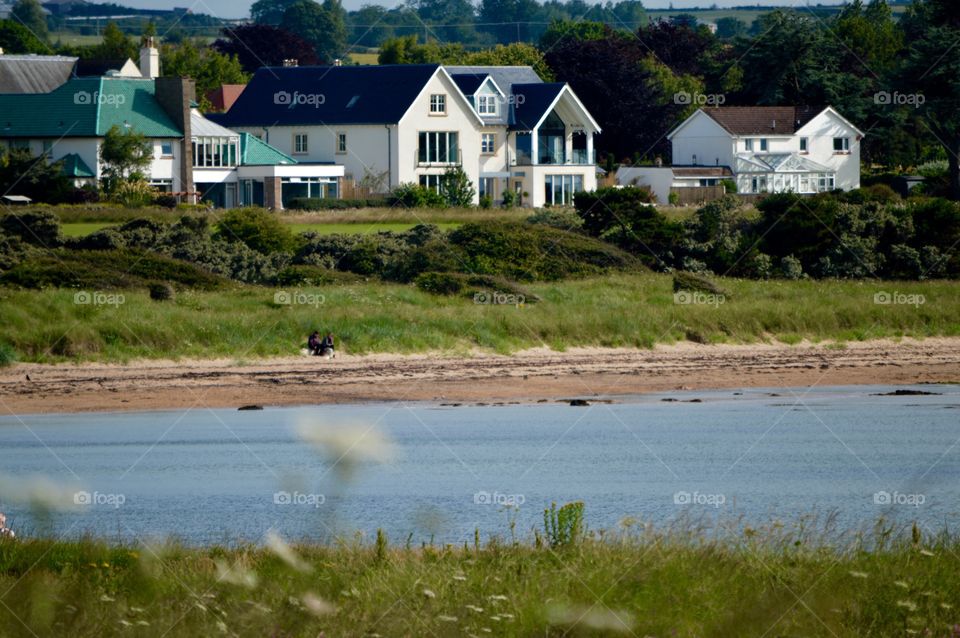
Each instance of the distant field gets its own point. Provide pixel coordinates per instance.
(364, 58)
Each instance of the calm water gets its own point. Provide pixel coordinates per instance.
(222, 475)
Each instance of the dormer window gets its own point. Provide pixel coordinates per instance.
(438, 104)
(487, 105)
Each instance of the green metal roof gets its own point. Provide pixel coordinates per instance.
(74, 166)
(256, 152)
(86, 107)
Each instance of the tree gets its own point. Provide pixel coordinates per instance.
(116, 45)
(681, 47)
(125, 154)
(322, 25)
(572, 30)
(370, 26)
(447, 20)
(270, 11)
(516, 54)
(456, 188)
(729, 28)
(207, 66)
(509, 20)
(30, 14)
(257, 45)
(34, 177)
(16, 38)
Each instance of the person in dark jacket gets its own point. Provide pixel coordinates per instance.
(326, 346)
(313, 343)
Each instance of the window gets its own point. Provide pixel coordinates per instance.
(341, 143)
(215, 152)
(166, 149)
(487, 187)
(300, 144)
(804, 183)
(488, 143)
(47, 147)
(759, 184)
(438, 104)
(803, 145)
(841, 145)
(431, 181)
(487, 105)
(748, 144)
(825, 182)
(438, 147)
(559, 189)
(763, 144)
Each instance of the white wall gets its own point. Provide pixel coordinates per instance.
(658, 180)
(703, 137)
(821, 130)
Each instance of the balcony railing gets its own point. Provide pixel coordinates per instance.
(579, 157)
(454, 158)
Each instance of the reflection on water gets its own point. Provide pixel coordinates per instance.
(222, 475)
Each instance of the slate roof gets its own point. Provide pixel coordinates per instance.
(256, 152)
(86, 107)
(469, 82)
(379, 94)
(763, 120)
(531, 102)
(34, 73)
(97, 68)
(74, 166)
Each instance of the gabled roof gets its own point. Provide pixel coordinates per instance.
(469, 83)
(256, 152)
(86, 107)
(34, 73)
(779, 163)
(223, 97)
(762, 120)
(532, 103)
(278, 96)
(202, 127)
(99, 68)
(505, 77)
(74, 166)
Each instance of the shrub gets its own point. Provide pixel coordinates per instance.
(165, 201)
(481, 288)
(259, 229)
(326, 203)
(509, 199)
(486, 202)
(456, 188)
(564, 527)
(415, 196)
(161, 291)
(103, 239)
(133, 193)
(562, 219)
(8, 356)
(38, 228)
(791, 268)
(692, 282)
(729, 186)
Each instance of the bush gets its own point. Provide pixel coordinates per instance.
(481, 288)
(165, 201)
(259, 229)
(305, 275)
(692, 282)
(729, 186)
(317, 203)
(161, 291)
(456, 188)
(103, 239)
(562, 219)
(38, 228)
(509, 199)
(8, 356)
(416, 196)
(133, 193)
(564, 527)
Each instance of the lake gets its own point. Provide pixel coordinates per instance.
(209, 476)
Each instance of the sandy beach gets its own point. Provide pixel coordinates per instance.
(529, 376)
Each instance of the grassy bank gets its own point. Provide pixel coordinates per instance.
(769, 583)
(618, 310)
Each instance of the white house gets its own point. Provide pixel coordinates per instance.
(765, 149)
(396, 124)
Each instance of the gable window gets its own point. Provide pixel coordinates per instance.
(488, 143)
(438, 104)
(763, 144)
(841, 145)
(487, 105)
(804, 147)
(341, 143)
(748, 144)
(301, 145)
(438, 147)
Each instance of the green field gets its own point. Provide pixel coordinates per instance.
(775, 581)
(613, 311)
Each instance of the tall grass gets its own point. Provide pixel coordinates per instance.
(633, 581)
(614, 311)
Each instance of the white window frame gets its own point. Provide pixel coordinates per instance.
(438, 104)
(844, 145)
(804, 145)
(452, 151)
(431, 181)
(487, 105)
(748, 144)
(488, 143)
(341, 143)
(301, 143)
(567, 188)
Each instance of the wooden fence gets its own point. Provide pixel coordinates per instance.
(691, 196)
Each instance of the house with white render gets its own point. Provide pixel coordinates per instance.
(397, 124)
(764, 149)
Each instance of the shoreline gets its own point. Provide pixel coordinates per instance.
(526, 377)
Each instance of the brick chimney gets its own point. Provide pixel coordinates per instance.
(175, 96)
(149, 59)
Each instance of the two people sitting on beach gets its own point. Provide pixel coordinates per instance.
(321, 347)
(5, 532)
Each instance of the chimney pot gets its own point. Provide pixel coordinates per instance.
(149, 59)
(338, 62)
(291, 62)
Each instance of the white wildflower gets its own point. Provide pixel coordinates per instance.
(285, 553)
(447, 618)
(316, 605)
(429, 593)
(235, 575)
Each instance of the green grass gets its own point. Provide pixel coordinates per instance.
(82, 229)
(775, 582)
(613, 311)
